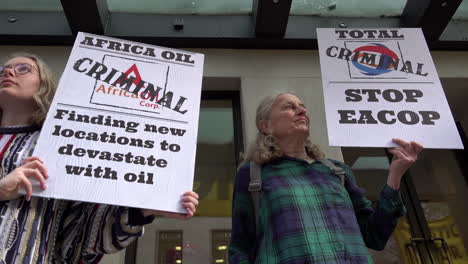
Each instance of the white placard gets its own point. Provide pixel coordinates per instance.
(381, 84)
(122, 128)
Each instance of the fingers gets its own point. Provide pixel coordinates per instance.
(36, 174)
(28, 187)
(34, 167)
(190, 208)
(33, 158)
(189, 213)
(416, 146)
(36, 164)
(190, 199)
(190, 203)
(412, 148)
(404, 144)
(192, 194)
(398, 153)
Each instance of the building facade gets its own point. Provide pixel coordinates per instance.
(234, 82)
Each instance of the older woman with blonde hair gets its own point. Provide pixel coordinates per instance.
(306, 213)
(38, 230)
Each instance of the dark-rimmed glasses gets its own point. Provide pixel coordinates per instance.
(20, 69)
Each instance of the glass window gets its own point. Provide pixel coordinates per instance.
(31, 5)
(216, 162)
(203, 239)
(220, 240)
(348, 8)
(441, 186)
(31, 17)
(462, 11)
(370, 168)
(456, 28)
(170, 247)
(189, 7)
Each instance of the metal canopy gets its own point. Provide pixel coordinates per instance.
(86, 15)
(269, 26)
(432, 16)
(271, 17)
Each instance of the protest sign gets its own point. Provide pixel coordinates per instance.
(122, 128)
(381, 84)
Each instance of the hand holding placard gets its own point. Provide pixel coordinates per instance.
(31, 168)
(382, 83)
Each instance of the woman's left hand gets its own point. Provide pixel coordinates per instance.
(403, 157)
(189, 202)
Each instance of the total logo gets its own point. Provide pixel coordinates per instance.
(369, 67)
(376, 59)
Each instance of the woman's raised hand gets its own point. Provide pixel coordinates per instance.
(403, 157)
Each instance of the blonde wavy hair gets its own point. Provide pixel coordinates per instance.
(47, 87)
(264, 149)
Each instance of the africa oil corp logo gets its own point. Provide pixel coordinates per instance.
(366, 59)
(132, 74)
(129, 84)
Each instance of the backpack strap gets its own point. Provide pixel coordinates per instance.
(338, 171)
(255, 187)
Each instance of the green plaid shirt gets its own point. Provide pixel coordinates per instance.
(307, 216)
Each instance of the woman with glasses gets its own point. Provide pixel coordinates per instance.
(38, 230)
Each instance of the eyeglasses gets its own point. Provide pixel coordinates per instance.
(20, 69)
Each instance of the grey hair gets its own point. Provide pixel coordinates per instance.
(47, 87)
(264, 148)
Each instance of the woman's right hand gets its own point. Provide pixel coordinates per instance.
(19, 177)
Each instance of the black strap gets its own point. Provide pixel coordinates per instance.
(338, 171)
(136, 217)
(255, 187)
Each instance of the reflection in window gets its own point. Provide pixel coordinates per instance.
(348, 8)
(442, 189)
(215, 161)
(218, 144)
(179, 7)
(170, 247)
(31, 5)
(369, 166)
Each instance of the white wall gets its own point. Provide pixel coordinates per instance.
(262, 72)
